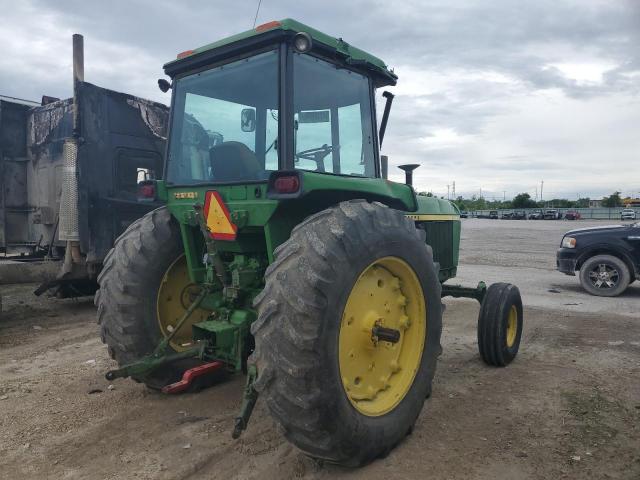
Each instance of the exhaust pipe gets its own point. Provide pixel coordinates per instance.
(68, 229)
(78, 76)
(408, 172)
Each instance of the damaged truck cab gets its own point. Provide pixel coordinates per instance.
(71, 178)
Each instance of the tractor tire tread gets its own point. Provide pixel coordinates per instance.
(125, 288)
(288, 331)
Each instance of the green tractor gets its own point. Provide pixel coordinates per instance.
(285, 253)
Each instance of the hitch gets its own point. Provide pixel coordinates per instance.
(190, 375)
(148, 364)
(160, 357)
(248, 402)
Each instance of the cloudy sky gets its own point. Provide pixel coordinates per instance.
(495, 95)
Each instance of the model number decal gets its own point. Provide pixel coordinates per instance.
(182, 195)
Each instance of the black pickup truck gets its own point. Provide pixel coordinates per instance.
(607, 257)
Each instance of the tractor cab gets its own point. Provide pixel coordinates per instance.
(281, 97)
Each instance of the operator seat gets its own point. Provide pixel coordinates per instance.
(233, 162)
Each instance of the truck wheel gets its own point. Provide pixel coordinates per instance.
(605, 276)
(144, 290)
(348, 332)
(500, 324)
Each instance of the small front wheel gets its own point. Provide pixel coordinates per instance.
(500, 324)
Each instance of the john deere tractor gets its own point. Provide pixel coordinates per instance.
(284, 252)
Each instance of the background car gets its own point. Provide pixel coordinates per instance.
(536, 215)
(519, 215)
(608, 257)
(464, 214)
(572, 215)
(552, 214)
(628, 214)
(493, 214)
(506, 216)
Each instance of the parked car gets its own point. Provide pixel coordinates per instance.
(628, 214)
(536, 215)
(506, 215)
(608, 257)
(519, 215)
(552, 214)
(464, 214)
(572, 215)
(493, 214)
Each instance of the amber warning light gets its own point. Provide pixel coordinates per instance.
(186, 53)
(267, 26)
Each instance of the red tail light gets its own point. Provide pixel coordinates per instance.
(287, 184)
(146, 191)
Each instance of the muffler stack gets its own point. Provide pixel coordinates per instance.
(69, 215)
(68, 226)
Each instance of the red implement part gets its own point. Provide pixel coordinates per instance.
(190, 375)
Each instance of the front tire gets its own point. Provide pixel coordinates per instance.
(500, 324)
(604, 276)
(337, 391)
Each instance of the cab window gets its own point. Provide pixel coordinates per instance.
(333, 131)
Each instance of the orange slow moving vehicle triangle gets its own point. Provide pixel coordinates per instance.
(218, 217)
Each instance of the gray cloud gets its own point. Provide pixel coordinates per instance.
(500, 93)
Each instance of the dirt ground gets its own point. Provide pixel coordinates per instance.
(568, 407)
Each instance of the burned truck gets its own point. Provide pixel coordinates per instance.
(74, 174)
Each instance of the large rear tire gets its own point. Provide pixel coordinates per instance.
(133, 293)
(339, 392)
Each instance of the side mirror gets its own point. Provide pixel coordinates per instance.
(248, 120)
(163, 85)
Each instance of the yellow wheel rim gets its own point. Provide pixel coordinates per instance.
(512, 326)
(175, 294)
(377, 374)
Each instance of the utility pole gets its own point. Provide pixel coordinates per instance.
(480, 192)
(448, 197)
(454, 189)
(541, 187)
(504, 195)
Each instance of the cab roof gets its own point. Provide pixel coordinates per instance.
(274, 32)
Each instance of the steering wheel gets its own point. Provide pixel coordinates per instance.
(317, 155)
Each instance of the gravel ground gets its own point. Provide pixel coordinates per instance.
(523, 253)
(568, 407)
